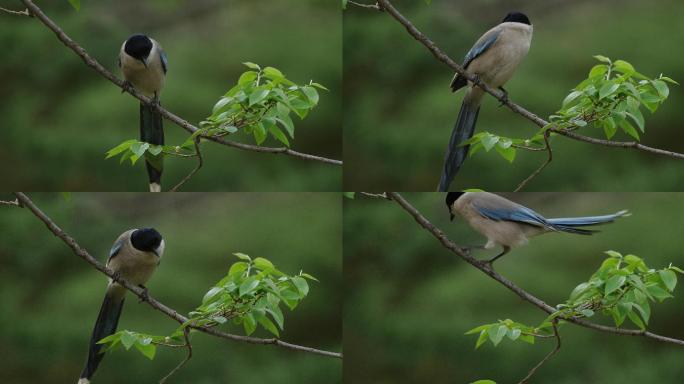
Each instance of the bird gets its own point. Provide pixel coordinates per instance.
(510, 224)
(143, 64)
(134, 256)
(493, 60)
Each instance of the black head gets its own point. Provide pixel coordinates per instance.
(450, 198)
(146, 239)
(516, 17)
(138, 46)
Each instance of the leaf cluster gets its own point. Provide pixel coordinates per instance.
(623, 287)
(250, 294)
(261, 104)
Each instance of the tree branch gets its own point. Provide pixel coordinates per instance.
(198, 153)
(25, 12)
(547, 357)
(13, 203)
(441, 56)
(541, 168)
(92, 63)
(368, 6)
(186, 335)
(144, 296)
(464, 254)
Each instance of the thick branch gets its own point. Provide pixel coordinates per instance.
(89, 61)
(486, 268)
(144, 296)
(441, 56)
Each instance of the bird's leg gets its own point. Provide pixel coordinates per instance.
(504, 97)
(506, 249)
(145, 295)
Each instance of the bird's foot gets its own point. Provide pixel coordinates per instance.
(504, 96)
(145, 296)
(116, 276)
(126, 86)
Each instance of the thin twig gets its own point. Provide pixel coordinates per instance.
(144, 296)
(14, 203)
(487, 269)
(375, 195)
(186, 334)
(541, 168)
(94, 64)
(198, 153)
(25, 12)
(368, 6)
(547, 357)
(441, 56)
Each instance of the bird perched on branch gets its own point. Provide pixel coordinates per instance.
(509, 224)
(493, 59)
(144, 64)
(134, 256)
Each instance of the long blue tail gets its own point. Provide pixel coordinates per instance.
(106, 323)
(572, 224)
(456, 153)
(152, 131)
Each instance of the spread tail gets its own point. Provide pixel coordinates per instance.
(573, 224)
(463, 130)
(152, 131)
(106, 323)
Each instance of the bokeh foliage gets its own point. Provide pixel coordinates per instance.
(409, 301)
(49, 298)
(60, 117)
(399, 111)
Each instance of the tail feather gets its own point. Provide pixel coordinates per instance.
(463, 130)
(107, 321)
(586, 221)
(152, 131)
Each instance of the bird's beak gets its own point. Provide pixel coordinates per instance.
(451, 217)
(156, 252)
(144, 63)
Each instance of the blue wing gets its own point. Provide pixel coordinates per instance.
(520, 214)
(164, 60)
(116, 248)
(480, 48)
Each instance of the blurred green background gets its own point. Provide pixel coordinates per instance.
(409, 301)
(399, 110)
(60, 117)
(49, 297)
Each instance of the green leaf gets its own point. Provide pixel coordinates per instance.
(598, 70)
(658, 292)
(478, 329)
(237, 268)
(349, 195)
(614, 283)
(301, 284)
(636, 320)
(128, 339)
(507, 153)
(259, 133)
(623, 67)
(311, 93)
(211, 294)
(273, 73)
(249, 324)
(609, 127)
(268, 325)
(497, 333)
(263, 264)
(258, 95)
(669, 279)
(242, 256)
(252, 65)
(248, 285)
(146, 348)
(76, 4)
(587, 312)
(628, 128)
(482, 339)
(246, 78)
(608, 89)
(120, 148)
(661, 87)
(570, 97)
(488, 141)
(278, 134)
(529, 339)
(514, 333)
(602, 58)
